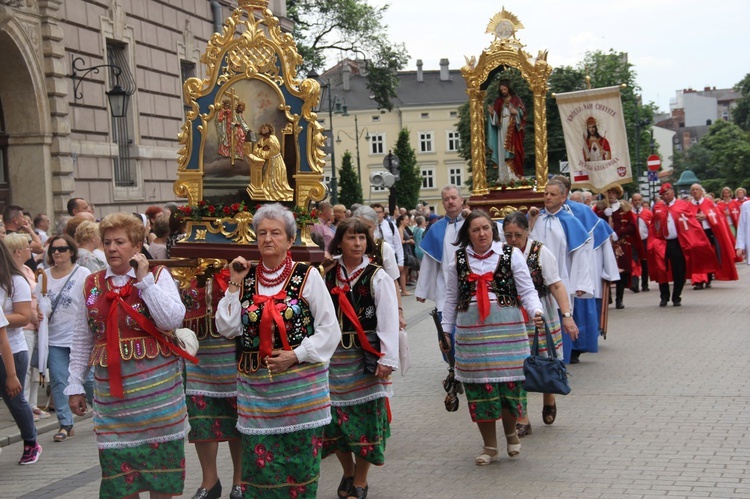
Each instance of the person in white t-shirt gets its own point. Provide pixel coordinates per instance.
(15, 296)
(65, 280)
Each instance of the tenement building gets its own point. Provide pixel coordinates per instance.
(63, 129)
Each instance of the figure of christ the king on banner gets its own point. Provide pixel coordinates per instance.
(505, 133)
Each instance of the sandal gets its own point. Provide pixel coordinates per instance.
(345, 486)
(484, 458)
(359, 492)
(514, 448)
(549, 413)
(523, 429)
(65, 433)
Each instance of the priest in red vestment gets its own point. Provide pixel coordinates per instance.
(717, 231)
(677, 246)
(740, 196)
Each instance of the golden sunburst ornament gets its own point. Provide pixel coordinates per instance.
(504, 25)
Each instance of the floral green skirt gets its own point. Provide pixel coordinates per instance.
(487, 400)
(157, 467)
(361, 429)
(212, 419)
(282, 466)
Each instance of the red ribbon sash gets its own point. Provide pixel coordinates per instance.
(348, 310)
(482, 293)
(222, 279)
(271, 315)
(113, 340)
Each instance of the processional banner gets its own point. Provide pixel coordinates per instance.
(595, 138)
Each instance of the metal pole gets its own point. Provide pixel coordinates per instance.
(392, 194)
(637, 143)
(356, 135)
(334, 183)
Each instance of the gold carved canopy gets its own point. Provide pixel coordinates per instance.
(251, 76)
(505, 51)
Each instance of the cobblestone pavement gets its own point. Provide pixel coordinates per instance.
(662, 410)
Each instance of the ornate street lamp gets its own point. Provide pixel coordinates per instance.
(117, 96)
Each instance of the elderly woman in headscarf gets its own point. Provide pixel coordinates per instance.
(125, 331)
(485, 279)
(286, 324)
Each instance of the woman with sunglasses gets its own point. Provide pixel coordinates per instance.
(366, 302)
(65, 281)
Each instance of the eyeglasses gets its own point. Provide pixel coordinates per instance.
(59, 249)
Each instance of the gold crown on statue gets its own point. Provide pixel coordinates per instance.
(263, 4)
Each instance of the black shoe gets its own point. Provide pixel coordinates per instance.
(236, 492)
(708, 285)
(345, 486)
(359, 492)
(619, 305)
(635, 289)
(698, 286)
(575, 357)
(663, 303)
(645, 289)
(677, 303)
(214, 493)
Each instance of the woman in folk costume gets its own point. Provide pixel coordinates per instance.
(125, 333)
(365, 301)
(286, 324)
(553, 296)
(724, 205)
(485, 279)
(211, 387)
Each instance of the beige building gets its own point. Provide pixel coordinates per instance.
(56, 143)
(427, 104)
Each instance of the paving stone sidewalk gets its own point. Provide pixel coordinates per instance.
(662, 410)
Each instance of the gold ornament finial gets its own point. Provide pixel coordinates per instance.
(504, 25)
(253, 4)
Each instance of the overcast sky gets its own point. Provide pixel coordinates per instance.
(673, 44)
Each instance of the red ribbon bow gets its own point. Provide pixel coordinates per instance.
(348, 310)
(271, 315)
(113, 339)
(482, 293)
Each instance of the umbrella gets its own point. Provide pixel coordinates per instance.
(42, 342)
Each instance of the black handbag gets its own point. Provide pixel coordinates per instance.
(370, 359)
(545, 374)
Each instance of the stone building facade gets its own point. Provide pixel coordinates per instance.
(427, 105)
(56, 143)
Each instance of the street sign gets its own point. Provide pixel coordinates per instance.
(654, 163)
(653, 176)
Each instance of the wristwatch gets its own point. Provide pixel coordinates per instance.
(567, 314)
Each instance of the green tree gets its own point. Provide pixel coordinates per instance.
(604, 69)
(741, 113)
(353, 27)
(410, 180)
(721, 157)
(350, 188)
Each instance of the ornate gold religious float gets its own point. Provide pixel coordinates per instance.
(250, 137)
(489, 117)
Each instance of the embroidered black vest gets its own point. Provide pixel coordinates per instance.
(535, 268)
(293, 309)
(503, 284)
(364, 305)
(377, 256)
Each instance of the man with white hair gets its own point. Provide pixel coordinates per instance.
(565, 236)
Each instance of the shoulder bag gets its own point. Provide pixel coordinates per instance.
(545, 374)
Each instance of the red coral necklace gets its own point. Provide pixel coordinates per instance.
(271, 282)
